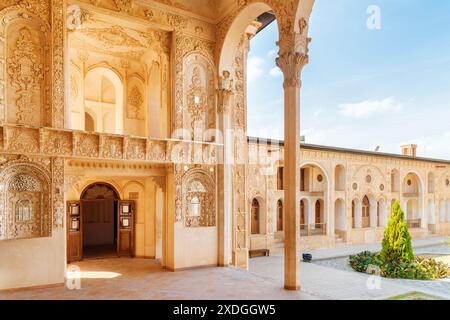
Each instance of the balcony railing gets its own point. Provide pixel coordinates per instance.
(314, 229)
(80, 144)
(413, 223)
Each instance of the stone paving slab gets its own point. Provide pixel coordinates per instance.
(144, 279)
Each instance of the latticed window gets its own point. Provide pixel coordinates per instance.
(194, 207)
(24, 211)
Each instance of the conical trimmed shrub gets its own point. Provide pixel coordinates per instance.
(396, 246)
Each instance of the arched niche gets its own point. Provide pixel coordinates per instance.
(339, 178)
(25, 198)
(27, 69)
(199, 199)
(412, 186)
(199, 111)
(103, 97)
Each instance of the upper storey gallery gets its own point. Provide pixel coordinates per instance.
(114, 67)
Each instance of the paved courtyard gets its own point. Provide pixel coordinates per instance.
(122, 278)
(328, 277)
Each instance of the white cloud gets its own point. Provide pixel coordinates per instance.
(367, 108)
(275, 72)
(272, 53)
(255, 68)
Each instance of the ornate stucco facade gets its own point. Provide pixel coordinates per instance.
(139, 107)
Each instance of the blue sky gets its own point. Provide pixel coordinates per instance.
(363, 88)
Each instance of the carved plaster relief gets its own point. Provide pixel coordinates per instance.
(24, 201)
(199, 98)
(26, 69)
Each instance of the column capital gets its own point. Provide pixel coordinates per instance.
(291, 64)
(224, 91)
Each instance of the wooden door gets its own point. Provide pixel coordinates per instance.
(255, 217)
(125, 228)
(366, 213)
(74, 231)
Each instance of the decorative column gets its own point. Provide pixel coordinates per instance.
(55, 115)
(291, 64)
(224, 181)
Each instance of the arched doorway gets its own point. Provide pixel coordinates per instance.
(280, 221)
(100, 225)
(255, 216)
(365, 212)
(99, 207)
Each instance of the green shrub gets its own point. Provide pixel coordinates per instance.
(417, 268)
(436, 269)
(361, 261)
(396, 245)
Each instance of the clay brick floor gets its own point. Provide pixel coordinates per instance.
(122, 278)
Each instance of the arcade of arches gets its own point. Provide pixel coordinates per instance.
(123, 133)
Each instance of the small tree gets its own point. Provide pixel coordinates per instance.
(396, 246)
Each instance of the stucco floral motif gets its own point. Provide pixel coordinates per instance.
(196, 98)
(22, 140)
(57, 142)
(124, 5)
(58, 192)
(135, 101)
(26, 72)
(156, 151)
(112, 147)
(86, 145)
(113, 36)
(135, 149)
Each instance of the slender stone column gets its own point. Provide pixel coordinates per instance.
(291, 64)
(224, 169)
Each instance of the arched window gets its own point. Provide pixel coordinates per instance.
(318, 211)
(89, 122)
(255, 216)
(366, 212)
(280, 178)
(24, 211)
(279, 215)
